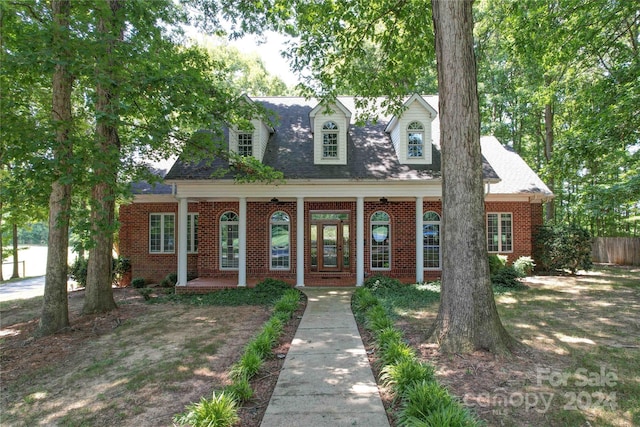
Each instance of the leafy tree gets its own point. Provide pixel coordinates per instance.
(383, 48)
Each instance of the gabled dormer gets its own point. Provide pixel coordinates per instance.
(330, 126)
(411, 131)
(250, 139)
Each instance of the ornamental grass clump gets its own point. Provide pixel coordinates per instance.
(219, 411)
(405, 374)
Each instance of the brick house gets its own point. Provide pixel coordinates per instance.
(356, 201)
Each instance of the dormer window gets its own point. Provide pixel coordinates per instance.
(329, 140)
(415, 140)
(245, 144)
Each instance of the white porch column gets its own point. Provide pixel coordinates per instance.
(419, 242)
(182, 241)
(242, 242)
(360, 241)
(300, 242)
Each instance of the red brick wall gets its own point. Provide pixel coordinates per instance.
(134, 237)
(134, 242)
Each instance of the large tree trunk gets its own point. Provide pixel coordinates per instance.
(55, 311)
(99, 293)
(16, 261)
(467, 318)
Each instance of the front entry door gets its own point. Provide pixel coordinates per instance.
(330, 246)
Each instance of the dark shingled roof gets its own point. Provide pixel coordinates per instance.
(370, 152)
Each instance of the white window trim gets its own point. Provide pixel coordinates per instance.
(327, 131)
(371, 224)
(193, 234)
(439, 224)
(500, 250)
(162, 230)
(420, 131)
(220, 222)
(271, 224)
(251, 138)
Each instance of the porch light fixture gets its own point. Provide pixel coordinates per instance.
(275, 200)
(384, 200)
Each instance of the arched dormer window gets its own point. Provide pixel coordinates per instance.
(415, 140)
(380, 241)
(280, 241)
(330, 140)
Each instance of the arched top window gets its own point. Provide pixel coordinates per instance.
(280, 217)
(229, 217)
(280, 241)
(329, 140)
(431, 217)
(380, 216)
(380, 241)
(415, 140)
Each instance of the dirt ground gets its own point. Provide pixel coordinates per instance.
(138, 365)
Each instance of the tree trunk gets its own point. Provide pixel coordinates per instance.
(467, 318)
(548, 153)
(1, 257)
(16, 262)
(99, 293)
(55, 311)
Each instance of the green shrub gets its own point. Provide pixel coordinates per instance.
(387, 336)
(524, 266)
(146, 293)
(563, 247)
(404, 374)
(169, 280)
(121, 265)
(138, 282)
(506, 278)
(497, 263)
(78, 271)
(397, 352)
(363, 300)
(272, 287)
(262, 344)
(240, 390)
(248, 365)
(382, 282)
(287, 304)
(421, 399)
(219, 411)
(377, 319)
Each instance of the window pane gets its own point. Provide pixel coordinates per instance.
(415, 144)
(380, 246)
(505, 232)
(229, 241)
(245, 144)
(313, 233)
(346, 259)
(431, 216)
(492, 233)
(330, 145)
(155, 233)
(380, 217)
(280, 246)
(431, 242)
(169, 233)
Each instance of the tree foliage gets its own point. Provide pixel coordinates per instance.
(582, 60)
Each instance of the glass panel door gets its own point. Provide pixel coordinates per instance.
(330, 248)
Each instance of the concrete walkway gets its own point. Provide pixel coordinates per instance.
(326, 379)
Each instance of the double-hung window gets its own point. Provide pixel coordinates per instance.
(330, 140)
(245, 144)
(499, 232)
(162, 233)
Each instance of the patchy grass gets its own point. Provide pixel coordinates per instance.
(138, 365)
(582, 363)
